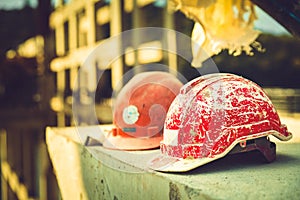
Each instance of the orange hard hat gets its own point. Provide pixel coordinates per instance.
(140, 109)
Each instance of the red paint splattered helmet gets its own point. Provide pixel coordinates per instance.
(216, 114)
(140, 110)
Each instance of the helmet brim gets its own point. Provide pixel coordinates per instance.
(166, 163)
(121, 142)
(171, 164)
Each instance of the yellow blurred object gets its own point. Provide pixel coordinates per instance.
(220, 24)
(31, 47)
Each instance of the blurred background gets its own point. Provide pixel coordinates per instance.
(44, 42)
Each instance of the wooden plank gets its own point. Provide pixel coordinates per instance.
(3, 158)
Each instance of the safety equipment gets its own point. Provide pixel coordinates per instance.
(140, 109)
(216, 114)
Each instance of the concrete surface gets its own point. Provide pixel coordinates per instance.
(97, 173)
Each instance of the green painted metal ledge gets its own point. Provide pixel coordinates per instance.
(92, 172)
